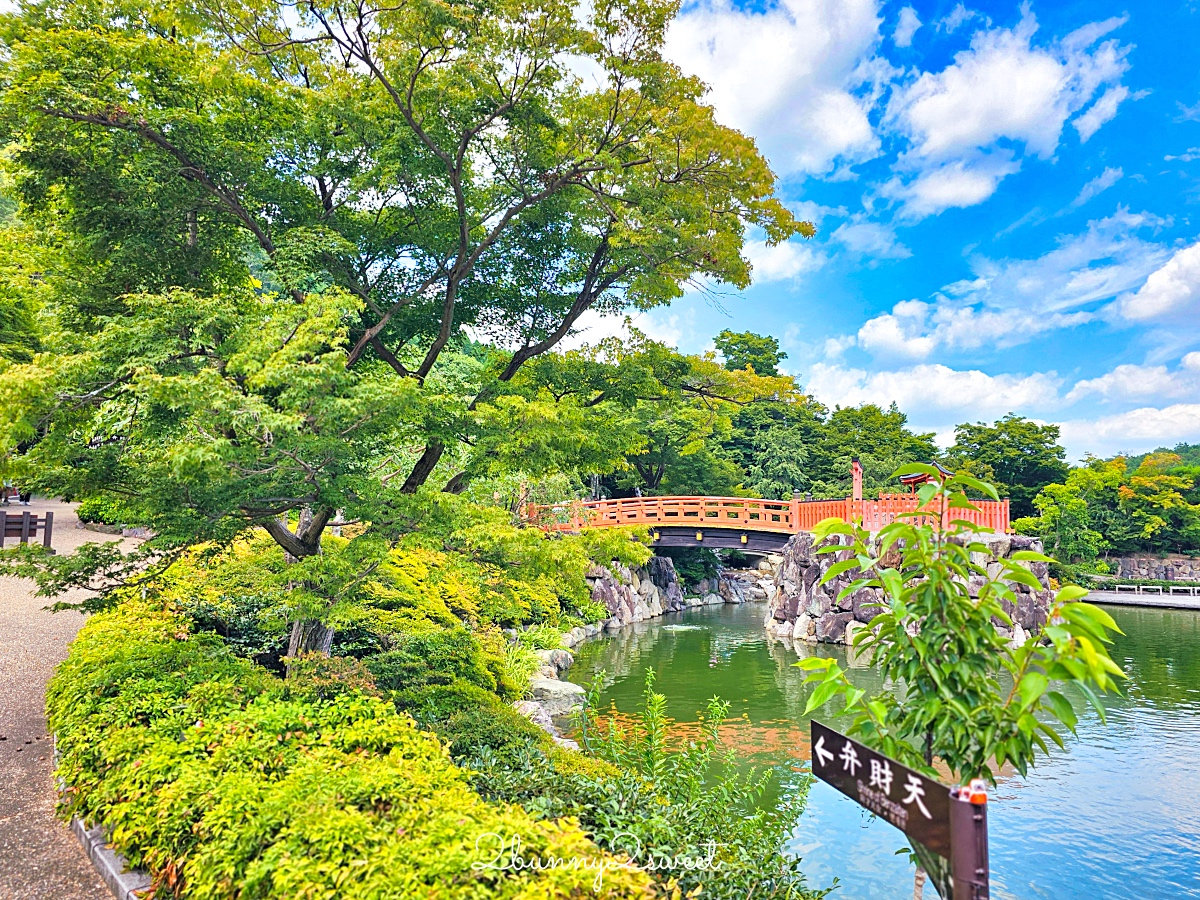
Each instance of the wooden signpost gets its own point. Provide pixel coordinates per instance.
(948, 822)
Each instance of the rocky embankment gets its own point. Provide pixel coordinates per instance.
(802, 609)
(629, 595)
(1167, 568)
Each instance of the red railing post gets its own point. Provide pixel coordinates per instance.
(794, 512)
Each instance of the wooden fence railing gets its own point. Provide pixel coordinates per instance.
(787, 516)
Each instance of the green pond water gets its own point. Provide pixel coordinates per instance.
(1117, 815)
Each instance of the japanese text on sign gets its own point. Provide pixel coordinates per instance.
(918, 806)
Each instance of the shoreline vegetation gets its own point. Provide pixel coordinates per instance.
(166, 727)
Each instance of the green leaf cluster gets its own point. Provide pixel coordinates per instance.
(966, 698)
(1113, 507)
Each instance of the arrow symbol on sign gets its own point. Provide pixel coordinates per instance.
(823, 755)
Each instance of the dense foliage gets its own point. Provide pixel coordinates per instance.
(1019, 456)
(223, 781)
(1116, 507)
(677, 805)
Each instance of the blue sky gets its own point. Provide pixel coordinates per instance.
(1007, 199)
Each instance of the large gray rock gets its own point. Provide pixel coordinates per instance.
(798, 597)
(557, 697)
(559, 660)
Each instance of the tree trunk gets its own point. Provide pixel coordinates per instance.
(307, 635)
(310, 636)
(919, 884)
(424, 467)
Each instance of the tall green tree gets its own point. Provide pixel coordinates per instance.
(880, 438)
(1022, 456)
(668, 411)
(741, 349)
(290, 215)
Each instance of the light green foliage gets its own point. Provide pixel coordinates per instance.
(965, 697)
(696, 799)
(471, 569)
(1108, 507)
(1021, 456)
(1063, 524)
(671, 410)
(223, 782)
(208, 413)
(541, 637)
(331, 150)
(22, 285)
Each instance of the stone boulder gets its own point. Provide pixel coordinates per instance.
(800, 608)
(557, 698)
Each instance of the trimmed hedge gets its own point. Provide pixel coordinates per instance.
(225, 782)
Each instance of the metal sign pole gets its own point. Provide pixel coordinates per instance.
(968, 844)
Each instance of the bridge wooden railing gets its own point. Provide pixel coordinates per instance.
(786, 516)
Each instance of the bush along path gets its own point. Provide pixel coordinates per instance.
(39, 857)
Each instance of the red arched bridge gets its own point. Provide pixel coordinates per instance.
(741, 523)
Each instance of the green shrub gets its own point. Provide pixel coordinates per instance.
(693, 564)
(210, 774)
(638, 793)
(471, 720)
(541, 637)
(251, 625)
(104, 510)
(520, 665)
(437, 657)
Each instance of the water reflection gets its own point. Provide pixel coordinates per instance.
(1115, 816)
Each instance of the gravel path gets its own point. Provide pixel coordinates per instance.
(39, 857)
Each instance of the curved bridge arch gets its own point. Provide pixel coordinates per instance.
(745, 523)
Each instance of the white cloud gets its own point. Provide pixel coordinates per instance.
(781, 261)
(786, 75)
(1192, 154)
(1010, 302)
(1103, 262)
(959, 183)
(937, 397)
(916, 330)
(811, 211)
(1172, 291)
(934, 395)
(1097, 185)
(1103, 110)
(900, 333)
(958, 16)
(906, 27)
(1004, 88)
(1130, 383)
(870, 239)
(1135, 431)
